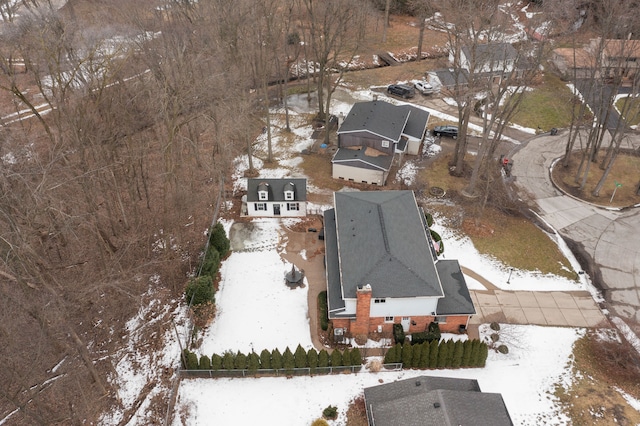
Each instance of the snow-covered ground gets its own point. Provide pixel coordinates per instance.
(256, 311)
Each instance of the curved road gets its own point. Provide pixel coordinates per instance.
(606, 242)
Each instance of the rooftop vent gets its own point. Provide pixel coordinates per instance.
(418, 383)
(436, 405)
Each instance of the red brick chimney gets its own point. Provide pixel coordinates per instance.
(363, 310)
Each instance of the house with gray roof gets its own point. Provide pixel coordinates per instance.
(370, 137)
(492, 61)
(285, 197)
(382, 269)
(438, 401)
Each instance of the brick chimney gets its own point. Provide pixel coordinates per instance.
(363, 310)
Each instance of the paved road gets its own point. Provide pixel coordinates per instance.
(606, 241)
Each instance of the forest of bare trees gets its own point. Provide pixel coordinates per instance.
(114, 150)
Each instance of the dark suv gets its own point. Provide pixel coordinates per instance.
(402, 90)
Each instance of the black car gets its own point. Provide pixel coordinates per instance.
(450, 131)
(402, 90)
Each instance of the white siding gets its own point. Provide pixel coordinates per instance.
(357, 174)
(404, 307)
(269, 212)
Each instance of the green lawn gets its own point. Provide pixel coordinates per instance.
(633, 113)
(548, 105)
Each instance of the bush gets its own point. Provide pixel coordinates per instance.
(323, 310)
(323, 358)
(319, 422)
(336, 358)
(398, 333)
(312, 358)
(205, 363)
(330, 412)
(219, 241)
(437, 238)
(424, 356)
(361, 339)
(356, 357)
(216, 362)
(393, 354)
(210, 263)
(288, 362)
(494, 337)
(200, 291)
(300, 357)
(443, 355)
(276, 359)
(265, 359)
(228, 360)
(434, 348)
(407, 355)
(466, 354)
(503, 349)
(494, 326)
(429, 218)
(484, 353)
(458, 351)
(253, 361)
(417, 354)
(346, 357)
(240, 361)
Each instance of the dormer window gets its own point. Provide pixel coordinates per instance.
(289, 191)
(263, 191)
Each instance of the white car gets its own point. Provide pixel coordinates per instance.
(424, 87)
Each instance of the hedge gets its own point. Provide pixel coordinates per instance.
(323, 310)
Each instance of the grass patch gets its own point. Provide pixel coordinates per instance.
(625, 171)
(437, 174)
(517, 242)
(318, 168)
(633, 114)
(547, 106)
(601, 366)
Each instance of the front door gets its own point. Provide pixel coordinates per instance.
(406, 321)
(276, 209)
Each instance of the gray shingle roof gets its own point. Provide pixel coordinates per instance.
(424, 401)
(488, 53)
(378, 117)
(382, 241)
(276, 188)
(456, 300)
(417, 122)
(357, 158)
(448, 77)
(332, 267)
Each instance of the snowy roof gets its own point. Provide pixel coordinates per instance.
(378, 117)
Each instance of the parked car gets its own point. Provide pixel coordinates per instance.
(402, 90)
(424, 87)
(450, 131)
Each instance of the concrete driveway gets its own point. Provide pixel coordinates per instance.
(607, 242)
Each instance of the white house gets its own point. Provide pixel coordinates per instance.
(275, 197)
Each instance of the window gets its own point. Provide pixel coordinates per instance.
(379, 300)
(263, 195)
(293, 206)
(441, 320)
(388, 319)
(260, 206)
(385, 144)
(288, 195)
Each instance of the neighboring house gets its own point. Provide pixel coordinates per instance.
(382, 268)
(275, 197)
(437, 401)
(570, 63)
(371, 135)
(609, 59)
(620, 57)
(494, 61)
(447, 78)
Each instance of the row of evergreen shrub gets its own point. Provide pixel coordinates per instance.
(200, 289)
(272, 359)
(439, 354)
(323, 309)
